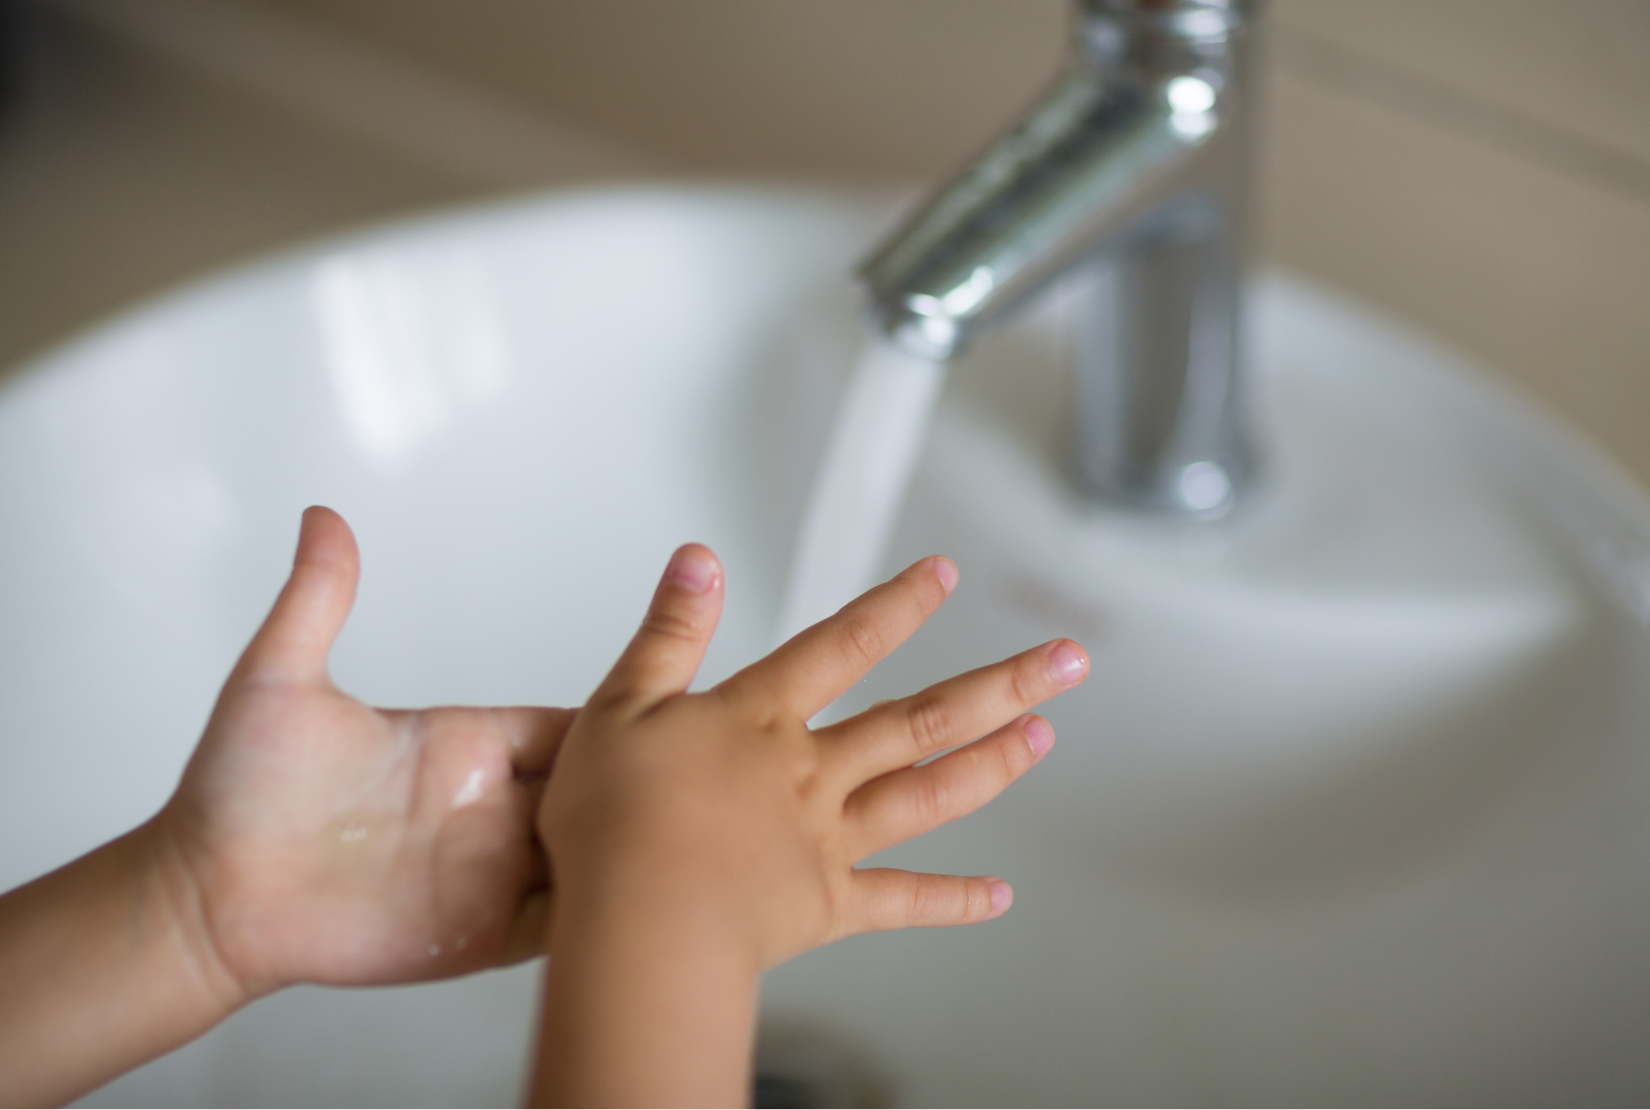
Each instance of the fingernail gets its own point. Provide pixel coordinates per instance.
(946, 571)
(1002, 897)
(1067, 663)
(1039, 735)
(693, 569)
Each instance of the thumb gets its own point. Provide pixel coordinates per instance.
(293, 644)
(667, 650)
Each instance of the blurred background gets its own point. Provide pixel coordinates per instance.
(1480, 168)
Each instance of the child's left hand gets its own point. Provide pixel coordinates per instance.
(331, 842)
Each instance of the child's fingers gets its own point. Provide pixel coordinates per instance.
(295, 638)
(525, 938)
(534, 734)
(523, 802)
(814, 667)
(900, 733)
(884, 899)
(898, 806)
(665, 653)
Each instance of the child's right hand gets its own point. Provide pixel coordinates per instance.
(696, 839)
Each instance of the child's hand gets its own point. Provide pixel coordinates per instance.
(312, 839)
(330, 842)
(696, 839)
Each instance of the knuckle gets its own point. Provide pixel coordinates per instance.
(928, 723)
(1022, 684)
(861, 639)
(930, 802)
(941, 900)
(926, 898)
(754, 706)
(1013, 757)
(671, 624)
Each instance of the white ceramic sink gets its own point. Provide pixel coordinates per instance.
(1356, 806)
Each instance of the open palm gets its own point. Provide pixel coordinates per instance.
(332, 842)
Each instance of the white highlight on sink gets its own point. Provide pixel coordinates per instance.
(404, 346)
(869, 460)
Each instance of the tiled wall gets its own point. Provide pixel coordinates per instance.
(1479, 167)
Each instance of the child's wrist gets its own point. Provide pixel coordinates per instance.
(650, 1001)
(672, 897)
(174, 890)
(106, 965)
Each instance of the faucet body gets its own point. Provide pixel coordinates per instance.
(1131, 169)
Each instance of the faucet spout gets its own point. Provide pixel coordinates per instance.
(1129, 170)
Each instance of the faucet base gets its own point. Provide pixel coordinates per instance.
(1158, 412)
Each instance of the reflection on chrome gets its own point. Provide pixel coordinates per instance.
(1190, 94)
(1204, 485)
(1129, 170)
(407, 348)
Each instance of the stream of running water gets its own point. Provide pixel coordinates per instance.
(868, 464)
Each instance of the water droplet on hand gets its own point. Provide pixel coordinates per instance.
(470, 792)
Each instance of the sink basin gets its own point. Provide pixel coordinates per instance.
(1352, 809)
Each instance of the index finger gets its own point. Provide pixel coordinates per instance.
(817, 665)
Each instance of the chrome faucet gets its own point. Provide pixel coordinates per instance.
(1132, 166)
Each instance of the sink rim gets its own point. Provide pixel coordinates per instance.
(1611, 494)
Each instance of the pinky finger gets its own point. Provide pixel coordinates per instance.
(885, 898)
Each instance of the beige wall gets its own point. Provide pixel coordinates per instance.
(1479, 167)
(873, 89)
